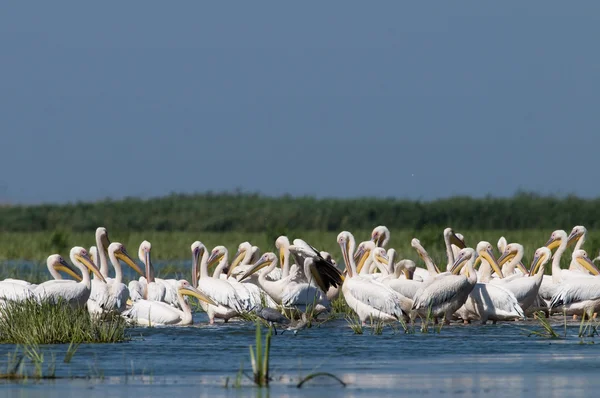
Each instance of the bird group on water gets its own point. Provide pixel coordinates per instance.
(298, 278)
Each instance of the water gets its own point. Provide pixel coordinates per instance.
(471, 360)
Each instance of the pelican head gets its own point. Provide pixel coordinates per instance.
(57, 262)
(485, 251)
(184, 288)
(345, 240)
(327, 256)
(464, 255)
(283, 245)
(582, 258)
(453, 238)
(576, 233)
(242, 249)
(198, 250)
(102, 236)
(121, 253)
(380, 255)
(81, 255)
(367, 247)
(502, 244)
(556, 238)
(510, 251)
(380, 236)
(216, 255)
(265, 260)
(541, 257)
(144, 251)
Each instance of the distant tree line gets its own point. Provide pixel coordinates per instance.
(255, 213)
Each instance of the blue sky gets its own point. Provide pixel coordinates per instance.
(339, 98)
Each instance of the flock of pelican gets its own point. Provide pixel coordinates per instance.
(375, 283)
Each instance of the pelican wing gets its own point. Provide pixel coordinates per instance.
(303, 294)
(223, 293)
(15, 291)
(496, 299)
(375, 294)
(570, 292)
(439, 291)
(146, 312)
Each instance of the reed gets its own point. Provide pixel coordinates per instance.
(30, 322)
(259, 358)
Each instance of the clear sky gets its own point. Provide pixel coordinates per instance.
(335, 98)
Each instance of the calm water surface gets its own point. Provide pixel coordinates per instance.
(471, 360)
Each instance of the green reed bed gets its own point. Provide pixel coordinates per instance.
(31, 323)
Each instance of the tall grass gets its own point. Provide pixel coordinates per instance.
(32, 323)
(259, 357)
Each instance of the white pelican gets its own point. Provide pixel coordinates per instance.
(406, 287)
(442, 295)
(578, 296)
(75, 293)
(524, 287)
(229, 304)
(113, 295)
(450, 238)
(246, 291)
(275, 289)
(146, 287)
(432, 269)
(368, 298)
(380, 236)
(147, 312)
(578, 236)
(243, 260)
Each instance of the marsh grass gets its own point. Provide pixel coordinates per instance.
(547, 330)
(259, 358)
(587, 328)
(28, 363)
(31, 323)
(354, 323)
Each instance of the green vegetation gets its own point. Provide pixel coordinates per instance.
(245, 212)
(259, 357)
(32, 323)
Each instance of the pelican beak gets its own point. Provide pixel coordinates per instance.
(458, 263)
(129, 302)
(105, 241)
(237, 258)
(124, 256)
(261, 263)
(358, 254)
(192, 291)
(375, 239)
(573, 237)
(344, 248)
(489, 256)
(588, 264)
(363, 260)
(281, 257)
(407, 273)
(67, 268)
(553, 243)
(214, 258)
(535, 264)
(195, 273)
(383, 259)
(456, 241)
(505, 257)
(85, 260)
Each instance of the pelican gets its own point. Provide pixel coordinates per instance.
(406, 287)
(113, 295)
(450, 238)
(368, 298)
(525, 288)
(380, 236)
(146, 287)
(75, 293)
(275, 289)
(246, 291)
(147, 312)
(432, 269)
(229, 303)
(578, 236)
(447, 292)
(243, 260)
(579, 296)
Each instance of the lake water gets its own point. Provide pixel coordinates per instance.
(463, 360)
